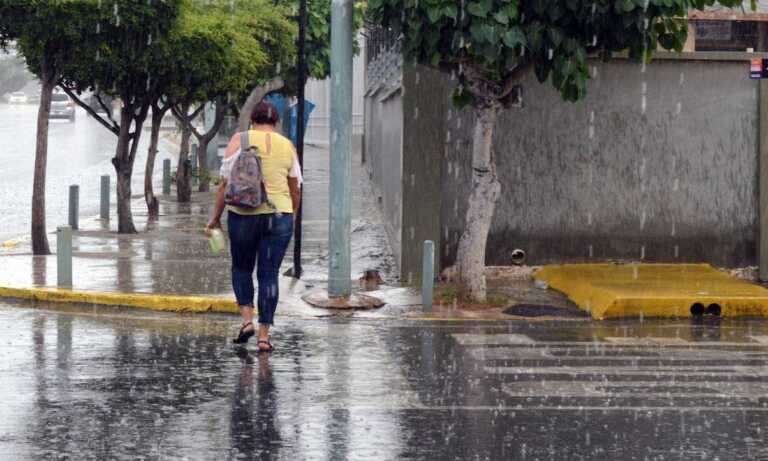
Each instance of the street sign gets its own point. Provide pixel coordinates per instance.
(758, 68)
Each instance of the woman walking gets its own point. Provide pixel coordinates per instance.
(259, 236)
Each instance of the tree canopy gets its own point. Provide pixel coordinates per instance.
(219, 48)
(489, 43)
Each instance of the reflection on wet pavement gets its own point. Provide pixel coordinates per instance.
(121, 384)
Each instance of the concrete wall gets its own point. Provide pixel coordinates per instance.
(659, 165)
(423, 150)
(384, 136)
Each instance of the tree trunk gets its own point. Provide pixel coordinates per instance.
(257, 94)
(39, 237)
(123, 169)
(482, 201)
(153, 206)
(203, 141)
(203, 174)
(183, 186)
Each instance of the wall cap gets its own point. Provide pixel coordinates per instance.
(727, 56)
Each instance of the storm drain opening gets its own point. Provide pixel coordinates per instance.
(714, 309)
(697, 310)
(518, 257)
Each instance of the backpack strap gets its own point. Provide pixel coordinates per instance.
(245, 143)
(270, 203)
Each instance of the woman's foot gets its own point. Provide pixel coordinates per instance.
(265, 346)
(245, 333)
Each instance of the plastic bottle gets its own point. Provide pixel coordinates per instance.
(216, 241)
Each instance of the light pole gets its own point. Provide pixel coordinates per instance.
(340, 219)
(339, 295)
(302, 81)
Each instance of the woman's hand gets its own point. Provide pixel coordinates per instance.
(212, 224)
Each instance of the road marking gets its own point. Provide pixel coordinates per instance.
(561, 408)
(566, 354)
(716, 390)
(658, 371)
(469, 339)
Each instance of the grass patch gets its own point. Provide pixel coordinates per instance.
(450, 294)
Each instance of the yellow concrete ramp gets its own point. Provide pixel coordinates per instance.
(655, 290)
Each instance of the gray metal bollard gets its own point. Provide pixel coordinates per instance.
(104, 203)
(64, 257)
(194, 172)
(74, 204)
(428, 276)
(167, 176)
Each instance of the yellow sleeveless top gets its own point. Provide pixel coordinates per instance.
(277, 156)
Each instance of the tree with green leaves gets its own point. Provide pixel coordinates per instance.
(119, 60)
(490, 45)
(48, 36)
(220, 49)
(318, 55)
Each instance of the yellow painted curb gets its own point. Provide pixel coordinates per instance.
(13, 243)
(654, 290)
(169, 303)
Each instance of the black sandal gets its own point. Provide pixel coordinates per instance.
(243, 336)
(271, 347)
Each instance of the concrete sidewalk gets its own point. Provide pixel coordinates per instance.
(171, 257)
(168, 264)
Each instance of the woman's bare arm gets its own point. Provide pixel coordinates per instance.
(218, 207)
(233, 146)
(295, 188)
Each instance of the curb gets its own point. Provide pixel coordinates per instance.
(655, 290)
(182, 304)
(167, 303)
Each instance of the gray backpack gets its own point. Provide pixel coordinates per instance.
(245, 185)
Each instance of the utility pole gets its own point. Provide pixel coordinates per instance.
(301, 66)
(340, 219)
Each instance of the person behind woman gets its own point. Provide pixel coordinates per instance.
(259, 237)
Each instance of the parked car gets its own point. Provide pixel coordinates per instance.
(62, 107)
(18, 97)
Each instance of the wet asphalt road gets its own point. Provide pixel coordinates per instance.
(78, 153)
(98, 383)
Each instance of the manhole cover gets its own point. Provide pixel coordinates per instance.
(541, 310)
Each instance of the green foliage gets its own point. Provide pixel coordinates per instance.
(223, 47)
(319, 34)
(488, 42)
(121, 48)
(44, 28)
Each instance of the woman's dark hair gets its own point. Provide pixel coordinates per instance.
(265, 114)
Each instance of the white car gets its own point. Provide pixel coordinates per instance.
(62, 107)
(18, 97)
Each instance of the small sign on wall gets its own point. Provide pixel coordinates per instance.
(758, 68)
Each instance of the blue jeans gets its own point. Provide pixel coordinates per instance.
(266, 237)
